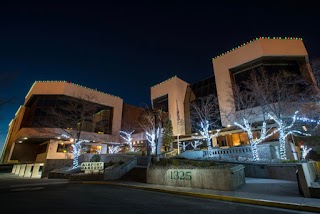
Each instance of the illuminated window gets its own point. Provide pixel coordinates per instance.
(64, 148)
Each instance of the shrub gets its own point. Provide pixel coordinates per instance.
(175, 162)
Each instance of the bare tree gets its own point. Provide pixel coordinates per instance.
(130, 124)
(196, 143)
(315, 67)
(151, 122)
(114, 149)
(245, 116)
(280, 96)
(184, 145)
(205, 116)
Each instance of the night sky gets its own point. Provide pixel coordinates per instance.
(126, 47)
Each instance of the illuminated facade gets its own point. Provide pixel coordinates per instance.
(271, 54)
(25, 143)
(169, 96)
(37, 133)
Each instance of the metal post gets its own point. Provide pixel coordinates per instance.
(155, 129)
(178, 144)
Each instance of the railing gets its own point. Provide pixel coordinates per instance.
(234, 151)
(116, 173)
(171, 153)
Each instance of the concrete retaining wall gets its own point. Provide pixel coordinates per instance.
(273, 171)
(118, 172)
(218, 179)
(105, 158)
(309, 179)
(52, 164)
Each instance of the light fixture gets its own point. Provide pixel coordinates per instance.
(228, 125)
(58, 138)
(25, 138)
(304, 128)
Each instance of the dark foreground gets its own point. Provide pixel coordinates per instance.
(91, 198)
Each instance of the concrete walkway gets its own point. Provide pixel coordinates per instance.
(264, 192)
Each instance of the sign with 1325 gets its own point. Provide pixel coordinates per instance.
(180, 175)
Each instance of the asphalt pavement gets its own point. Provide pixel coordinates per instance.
(264, 192)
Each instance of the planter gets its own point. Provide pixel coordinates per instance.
(229, 178)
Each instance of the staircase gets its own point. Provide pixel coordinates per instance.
(139, 172)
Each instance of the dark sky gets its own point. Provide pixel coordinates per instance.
(126, 47)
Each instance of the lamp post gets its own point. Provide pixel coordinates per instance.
(178, 143)
(155, 113)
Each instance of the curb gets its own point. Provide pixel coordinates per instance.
(12, 187)
(292, 206)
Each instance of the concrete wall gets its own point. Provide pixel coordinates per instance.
(60, 88)
(176, 90)
(13, 129)
(105, 158)
(53, 154)
(273, 171)
(118, 172)
(51, 164)
(218, 179)
(308, 177)
(74, 90)
(24, 152)
(256, 170)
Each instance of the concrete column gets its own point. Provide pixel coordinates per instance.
(28, 171)
(17, 169)
(214, 142)
(37, 170)
(22, 170)
(14, 169)
(10, 153)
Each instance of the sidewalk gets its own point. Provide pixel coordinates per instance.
(265, 192)
(10, 181)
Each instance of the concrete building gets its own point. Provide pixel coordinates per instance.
(37, 133)
(28, 142)
(270, 53)
(169, 96)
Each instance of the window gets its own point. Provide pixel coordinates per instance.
(161, 103)
(64, 148)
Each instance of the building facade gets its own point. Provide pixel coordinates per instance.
(30, 139)
(54, 115)
(169, 97)
(272, 54)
